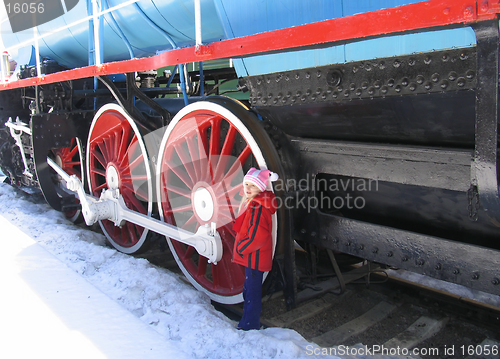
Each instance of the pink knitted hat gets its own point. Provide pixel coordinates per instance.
(260, 178)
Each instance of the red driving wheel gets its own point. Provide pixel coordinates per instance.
(117, 159)
(203, 156)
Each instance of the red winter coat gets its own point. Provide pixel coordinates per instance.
(253, 246)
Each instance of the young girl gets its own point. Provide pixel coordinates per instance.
(253, 247)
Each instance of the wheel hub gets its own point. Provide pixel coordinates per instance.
(112, 177)
(203, 203)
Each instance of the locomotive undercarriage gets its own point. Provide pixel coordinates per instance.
(425, 181)
(121, 145)
(398, 158)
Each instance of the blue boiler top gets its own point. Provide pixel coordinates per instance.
(151, 26)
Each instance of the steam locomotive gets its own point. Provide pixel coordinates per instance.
(381, 118)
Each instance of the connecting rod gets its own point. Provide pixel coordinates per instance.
(111, 206)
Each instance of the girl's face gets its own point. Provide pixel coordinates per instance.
(250, 190)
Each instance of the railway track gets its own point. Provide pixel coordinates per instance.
(394, 317)
(388, 317)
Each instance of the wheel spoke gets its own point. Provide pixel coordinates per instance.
(136, 192)
(132, 165)
(223, 275)
(214, 141)
(72, 164)
(187, 207)
(229, 141)
(122, 150)
(128, 177)
(131, 199)
(195, 158)
(131, 230)
(98, 189)
(177, 170)
(178, 190)
(227, 215)
(202, 266)
(191, 224)
(132, 143)
(98, 172)
(107, 144)
(189, 252)
(202, 150)
(230, 192)
(244, 155)
(73, 151)
(225, 154)
(187, 163)
(99, 157)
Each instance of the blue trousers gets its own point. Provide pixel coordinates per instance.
(252, 296)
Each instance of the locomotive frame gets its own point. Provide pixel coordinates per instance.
(277, 104)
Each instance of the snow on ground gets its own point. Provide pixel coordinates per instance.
(157, 298)
(48, 310)
(183, 316)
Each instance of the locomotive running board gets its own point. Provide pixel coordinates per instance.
(111, 206)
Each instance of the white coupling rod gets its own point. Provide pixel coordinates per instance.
(111, 206)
